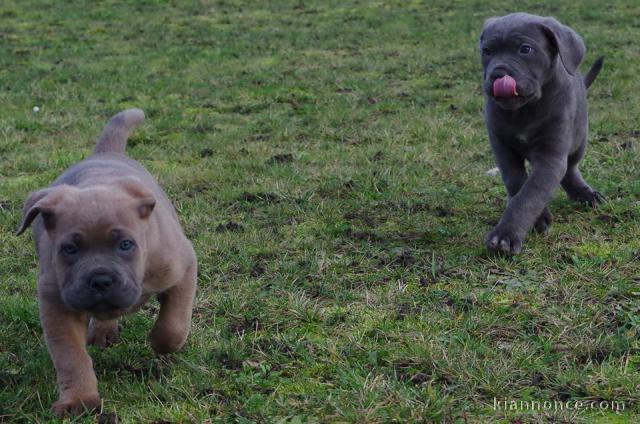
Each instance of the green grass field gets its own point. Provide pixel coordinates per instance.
(328, 162)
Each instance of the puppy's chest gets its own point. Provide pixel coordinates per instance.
(521, 137)
(522, 143)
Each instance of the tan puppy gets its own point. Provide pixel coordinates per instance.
(107, 239)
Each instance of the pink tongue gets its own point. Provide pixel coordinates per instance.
(504, 87)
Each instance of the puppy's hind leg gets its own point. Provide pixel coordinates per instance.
(172, 327)
(576, 187)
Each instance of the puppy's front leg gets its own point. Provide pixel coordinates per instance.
(65, 333)
(529, 203)
(172, 327)
(514, 175)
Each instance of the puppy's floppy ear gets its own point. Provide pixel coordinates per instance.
(566, 42)
(144, 198)
(42, 202)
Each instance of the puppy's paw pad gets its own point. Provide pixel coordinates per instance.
(76, 406)
(504, 242)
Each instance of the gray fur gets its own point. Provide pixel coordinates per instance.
(545, 124)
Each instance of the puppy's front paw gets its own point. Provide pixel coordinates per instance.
(103, 333)
(166, 340)
(543, 222)
(504, 241)
(76, 405)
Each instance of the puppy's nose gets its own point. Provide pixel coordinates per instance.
(498, 73)
(101, 282)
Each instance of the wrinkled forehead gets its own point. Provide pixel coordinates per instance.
(516, 27)
(94, 236)
(96, 213)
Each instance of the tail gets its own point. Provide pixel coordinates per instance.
(593, 72)
(114, 137)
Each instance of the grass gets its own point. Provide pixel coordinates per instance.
(328, 161)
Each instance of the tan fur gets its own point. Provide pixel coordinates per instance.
(104, 193)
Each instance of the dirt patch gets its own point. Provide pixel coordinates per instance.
(378, 156)
(419, 378)
(443, 211)
(107, 418)
(607, 219)
(149, 369)
(402, 259)
(241, 325)
(229, 227)
(280, 159)
(366, 217)
(361, 235)
(205, 153)
(344, 90)
(537, 379)
(427, 281)
(257, 269)
(259, 197)
(259, 137)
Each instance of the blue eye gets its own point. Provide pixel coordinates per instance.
(525, 49)
(126, 245)
(69, 249)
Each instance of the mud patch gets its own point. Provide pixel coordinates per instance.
(107, 418)
(257, 269)
(365, 216)
(229, 227)
(362, 235)
(402, 259)
(442, 211)
(282, 158)
(241, 325)
(206, 153)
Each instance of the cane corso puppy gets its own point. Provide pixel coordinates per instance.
(535, 110)
(107, 239)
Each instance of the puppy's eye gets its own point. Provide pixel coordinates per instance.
(525, 49)
(126, 245)
(69, 249)
(486, 51)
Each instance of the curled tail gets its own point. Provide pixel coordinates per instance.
(114, 137)
(593, 72)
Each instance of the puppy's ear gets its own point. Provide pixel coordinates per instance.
(42, 202)
(145, 201)
(566, 43)
(487, 23)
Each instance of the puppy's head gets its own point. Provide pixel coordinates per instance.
(526, 48)
(97, 240)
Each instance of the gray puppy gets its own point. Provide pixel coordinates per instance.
(536, 109)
